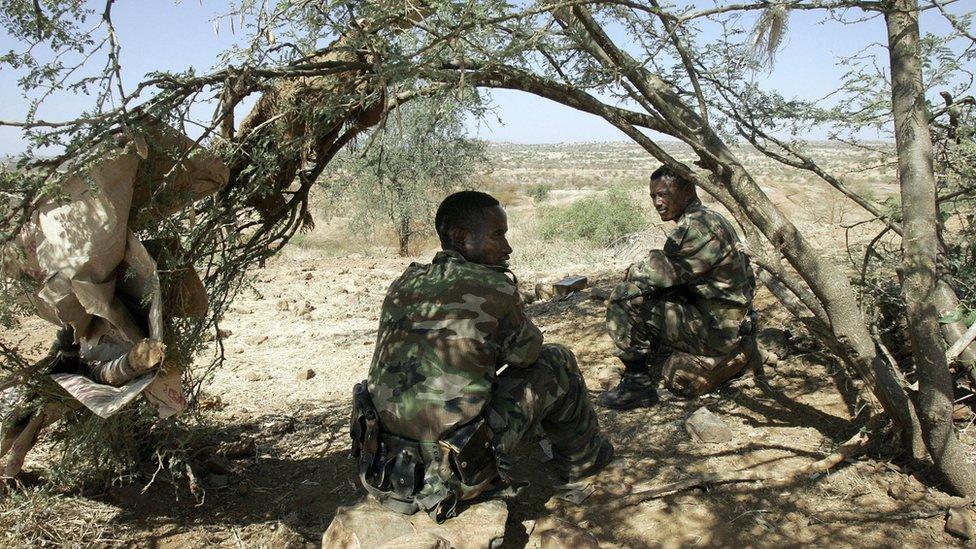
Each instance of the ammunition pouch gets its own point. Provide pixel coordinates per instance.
(395, 470)
(469, 453)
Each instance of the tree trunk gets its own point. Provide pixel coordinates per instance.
(825, 279)
(920, 245)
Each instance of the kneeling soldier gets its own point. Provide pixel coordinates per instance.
(686, 307)
(460, 376)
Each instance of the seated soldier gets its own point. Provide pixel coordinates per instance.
(687, 306)
(460, 376)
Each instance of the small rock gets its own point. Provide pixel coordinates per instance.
(243, 448)
(704, 426)
(418, 540)
(776, 340)
(281, 427)
(285, 538)
(599, 294)
(308, 276)
(256, 340)
(253, 376)
(224, 334)
(528, 297)
(281, 304)
(217, 465)
(962, 412)
(959, 523)
(351, 299)
(217, 481)
(608, 377)
(305, 375)
(553, 533)
(569, 285)
(543, 292)
(874, 502)
(370, 524)
(303, 307)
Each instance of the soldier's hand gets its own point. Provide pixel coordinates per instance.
(147, 355)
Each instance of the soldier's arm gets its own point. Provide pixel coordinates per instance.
(521, 339)
(690, 252)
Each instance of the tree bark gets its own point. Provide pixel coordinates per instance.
(825, 279)
(920, 245)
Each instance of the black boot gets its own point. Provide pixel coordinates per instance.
(635, 390)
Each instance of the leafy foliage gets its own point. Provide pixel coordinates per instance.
(600, 220)
(408, 165)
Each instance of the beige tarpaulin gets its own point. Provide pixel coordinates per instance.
(98, 277)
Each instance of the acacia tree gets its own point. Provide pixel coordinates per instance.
(418, 156)
(316, 99)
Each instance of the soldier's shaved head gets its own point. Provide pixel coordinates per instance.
(671, 193)
(463, 209)
(474, 224)
(672, 176)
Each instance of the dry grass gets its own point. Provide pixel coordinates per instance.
(36, 517)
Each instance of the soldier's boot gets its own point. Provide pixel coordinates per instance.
(635, 390)
(603, 458)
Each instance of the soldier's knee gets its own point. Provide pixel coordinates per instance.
(683, 375)
(557, 355)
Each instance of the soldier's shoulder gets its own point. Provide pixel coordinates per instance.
(457, 277)
(704, 218)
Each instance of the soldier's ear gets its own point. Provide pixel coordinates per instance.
(459, 237)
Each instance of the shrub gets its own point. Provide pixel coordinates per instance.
(600, 219)
(540, 192)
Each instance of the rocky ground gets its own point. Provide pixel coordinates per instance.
(272, 465)
(297, 342)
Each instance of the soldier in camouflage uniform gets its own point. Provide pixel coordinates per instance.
(455, 349)
(687, 306)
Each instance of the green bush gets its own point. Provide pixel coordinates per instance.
(599, 219)
(540, 192)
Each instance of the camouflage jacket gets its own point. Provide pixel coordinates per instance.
(700, 256)
(445, 329)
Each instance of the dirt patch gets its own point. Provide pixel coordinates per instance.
(320, 315)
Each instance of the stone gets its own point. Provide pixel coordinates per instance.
(419, 540)
(554, 533)
(240, 449)
(962, 412)
(224, 334)
(303, 307)
(543, 292)
(704, 426)
(281, 426)
(370, 524)
(282, 304)
(776, 340)
(569, 285)
(306, 375)
(217, 465)
(217, 481)
(528, 297)
(308, 276)
(253, 376)
(285, 538)
(608, 377)
(599, 294)
(959, 523)
(256, 340)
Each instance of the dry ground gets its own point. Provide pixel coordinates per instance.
(314, 309)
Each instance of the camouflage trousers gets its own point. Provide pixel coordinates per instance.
(550, 393)
(698, 336)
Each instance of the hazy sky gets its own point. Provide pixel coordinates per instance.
(168, 35)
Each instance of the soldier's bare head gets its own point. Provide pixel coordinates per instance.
(474, 224)
(671, 193)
